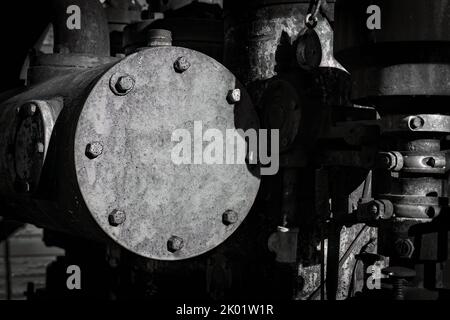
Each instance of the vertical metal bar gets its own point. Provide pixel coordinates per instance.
(322, 267)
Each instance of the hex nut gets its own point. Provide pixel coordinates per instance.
(230, 217)
(309, 50)
(234, 96)
(175, 244)
(374, 209)
(121, 84)
(384, 209)
(310, 21)
(181, 65)
(40, 147)
(93, 150)
(116, 218)
(159, 38)
(125, 84)
(392, 161)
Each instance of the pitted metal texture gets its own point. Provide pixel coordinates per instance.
(159, 200)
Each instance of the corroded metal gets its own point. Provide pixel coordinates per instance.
(90, 37)
(407, 56)
(402, 69)
(181, 64)
(264, 43)
(197, 26)
(161, 198)
(47, 66)
(107, 171)
(159, 38)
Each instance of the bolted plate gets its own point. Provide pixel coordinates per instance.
(172, 212)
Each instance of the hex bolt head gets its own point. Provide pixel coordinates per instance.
(124, 84)
(27, 110)
(40, 147)
(175, 244)
(416, 123)
(116, 218)
(392, 161)
(181, 65)
(234, 96)
(93, 150)
(230, 217)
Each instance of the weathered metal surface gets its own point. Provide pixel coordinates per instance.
(407, 56)
(282, 108)
(415, 162)
(402, 21)
(29, 146)
(135, 173)
(401, 80)
(309, 50)
(194, 25)
(92, 36)
(46, 66)
(390, 124)
(116, 125)
(273, 32)
(159, 37)
(261, 43)
(75, 47)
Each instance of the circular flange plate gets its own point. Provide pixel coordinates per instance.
(131, 186)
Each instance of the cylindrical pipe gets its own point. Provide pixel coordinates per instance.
(91, 36)
(91, 154)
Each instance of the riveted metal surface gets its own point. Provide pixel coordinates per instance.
(135, 173)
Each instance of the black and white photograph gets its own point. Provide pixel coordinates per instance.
(225, 159)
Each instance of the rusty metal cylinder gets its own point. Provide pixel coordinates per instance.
(397, 53)
(81, 41)
(405, 54)
(90, 154)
